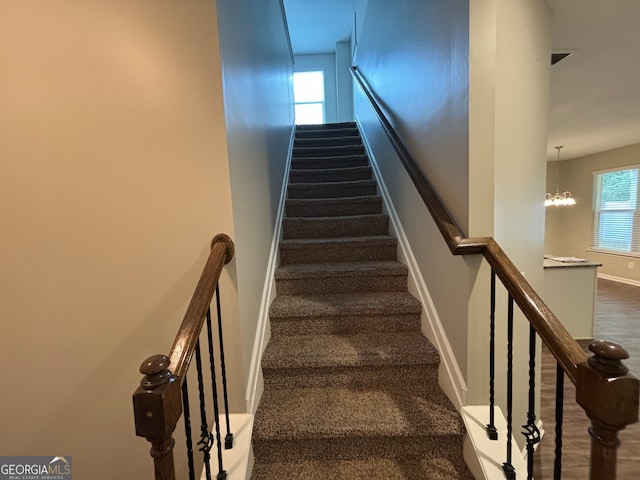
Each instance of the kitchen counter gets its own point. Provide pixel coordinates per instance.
(570, 287)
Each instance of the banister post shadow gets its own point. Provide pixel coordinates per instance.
(613, 407)
(157, 407)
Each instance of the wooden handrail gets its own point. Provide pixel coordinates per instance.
(222, 251)
(615, 404)
(448, 227)
(554, 334)
(157, 402)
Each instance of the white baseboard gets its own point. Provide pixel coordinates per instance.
(627, 281)
(485, 457)
(449, 375)
(255, 385)
(237, 461)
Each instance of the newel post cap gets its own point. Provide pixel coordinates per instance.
(157, 403)
(156, 372)
(605, 389)
(607, 358)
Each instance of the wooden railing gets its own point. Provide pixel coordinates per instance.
(604, 389)
(159, 400)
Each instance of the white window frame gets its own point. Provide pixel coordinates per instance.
(632, 208)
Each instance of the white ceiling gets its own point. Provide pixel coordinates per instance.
(595, 93)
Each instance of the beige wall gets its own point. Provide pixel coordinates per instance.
(568, 230)
(114, 176)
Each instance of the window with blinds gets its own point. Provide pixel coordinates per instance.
(616, 220)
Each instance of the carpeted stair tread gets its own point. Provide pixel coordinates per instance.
(340, 130)
(324, 207)
(364, 349)
(336, 132)
(325, 126)
(327, 413)
(345, 324)
(331, 161)
(351, 188)
(326, 141)
(304, 175)
(345, 249)
(334, 227)
(370, 303)
(423, 467)
(343, 242)
(347, 277)
(330, 270)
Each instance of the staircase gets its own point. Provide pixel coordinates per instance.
(351, 389)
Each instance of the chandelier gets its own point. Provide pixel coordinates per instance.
(558, 199)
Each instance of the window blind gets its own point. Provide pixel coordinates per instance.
(616, 221)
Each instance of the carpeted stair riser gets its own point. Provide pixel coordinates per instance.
(364, 447)
(330, 162)
(325, 126)
(348, 249)
(339, 151)
(329, 175)
(332, 189)
(329, 207)
(392, 461)
(346, 377)
(328, 227)
(423, 467)
(322, 278)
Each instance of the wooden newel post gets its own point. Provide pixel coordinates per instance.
(609, 396)
(157, 407)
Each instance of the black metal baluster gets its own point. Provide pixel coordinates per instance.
(507, 467)
(531, 431)
(492, 431)
(557, 466)
(187, 429)
(222, 474)
(206, 439)
(228, 440)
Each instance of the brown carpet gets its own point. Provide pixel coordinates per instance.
(351, 384)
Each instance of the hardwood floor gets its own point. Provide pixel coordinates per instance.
(617, 319)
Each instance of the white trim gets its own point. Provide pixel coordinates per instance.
(628, 281)
(484, 457)
(617, 169)
(254, 385)
(613, 253)
(450, 377)
(237, 460)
